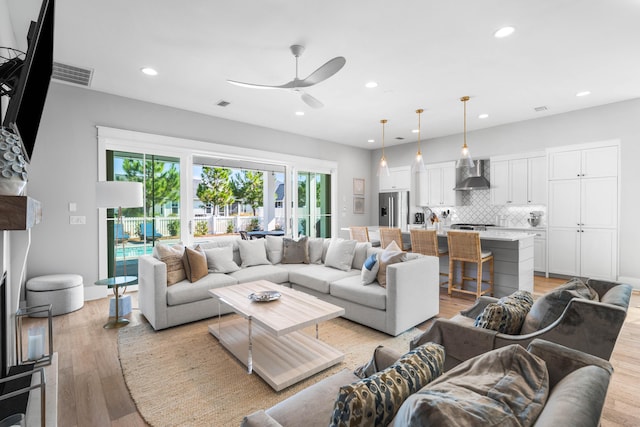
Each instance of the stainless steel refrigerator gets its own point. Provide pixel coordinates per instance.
(393, 209)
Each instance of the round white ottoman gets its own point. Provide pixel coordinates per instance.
(65, 293)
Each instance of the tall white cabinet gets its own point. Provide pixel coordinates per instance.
(435, 186)
(583, 210)
(519, 179)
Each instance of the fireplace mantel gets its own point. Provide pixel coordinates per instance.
(19, 212)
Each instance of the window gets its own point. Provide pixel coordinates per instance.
(314, 204)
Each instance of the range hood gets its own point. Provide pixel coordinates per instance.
(476, 180)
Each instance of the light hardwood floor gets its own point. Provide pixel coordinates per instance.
(92, 391)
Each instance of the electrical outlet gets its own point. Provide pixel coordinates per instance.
(77, 219)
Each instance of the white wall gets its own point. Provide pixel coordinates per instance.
(613, 121)
(65, 161)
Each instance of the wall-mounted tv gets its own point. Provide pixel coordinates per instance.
(25, 106)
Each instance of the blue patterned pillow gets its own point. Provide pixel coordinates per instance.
(370, 269)
(376, 399)
(507, 314)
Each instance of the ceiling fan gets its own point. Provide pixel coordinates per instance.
(324, 72)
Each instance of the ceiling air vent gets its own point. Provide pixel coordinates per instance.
(72, 74)
(539, 109)
(222, 103)
(399, 138)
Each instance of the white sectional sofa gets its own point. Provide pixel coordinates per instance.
(410, 297)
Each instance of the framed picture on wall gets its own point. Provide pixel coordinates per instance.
(358, 205)
(358, 186)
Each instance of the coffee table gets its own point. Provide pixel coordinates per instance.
(268, 335)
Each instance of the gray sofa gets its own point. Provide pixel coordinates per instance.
(577, 386)
(588, 325)
(411, 295)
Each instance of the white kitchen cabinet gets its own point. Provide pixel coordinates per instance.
(583, 211)
(399, 178)
(540, 251)
(518, 180)
(435, 185)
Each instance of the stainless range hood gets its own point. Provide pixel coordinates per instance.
(476, 181)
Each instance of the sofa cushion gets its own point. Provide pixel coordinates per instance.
(318, 277)
(392, 254)
(295, 251)
(220, 260)
(360, 254)
(351, 289)
(195, 264)
(506, 387)
(185, 292)
(375, 400)
(507, 314)
(369, 271)
(340, 254)
(253, 252)
(316, 248)
(223, 241)
(272, 273)
(275, 247)
(546, 309)
(172, 257)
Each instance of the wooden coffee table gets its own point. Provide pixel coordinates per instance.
(268, 335)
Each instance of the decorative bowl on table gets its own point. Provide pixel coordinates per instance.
(264, 296)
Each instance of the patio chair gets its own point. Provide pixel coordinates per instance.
(119, 234)
(149, 232)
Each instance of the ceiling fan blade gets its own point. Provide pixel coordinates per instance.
(292, 84)
(311, 101)
(324, 72)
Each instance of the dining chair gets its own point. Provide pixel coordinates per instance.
(359, 234)
(390, 234)
(464, 246)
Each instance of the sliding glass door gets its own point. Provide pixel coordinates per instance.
(314, 204)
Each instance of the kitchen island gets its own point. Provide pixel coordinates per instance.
(513, 254)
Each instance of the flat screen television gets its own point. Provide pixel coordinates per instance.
(25, 106)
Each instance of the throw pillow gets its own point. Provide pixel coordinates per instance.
(172, 257)
(340, 254)
(507, 314)
(295, 251)
(360, 254)
(506, 387)
(376, 399)
(316, 247)
(370, 269)
(550, 306)
(274, 248)
(220, 260)
(392, 254)
(195, 263)
(253, 252)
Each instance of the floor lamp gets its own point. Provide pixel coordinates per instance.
(118, 195)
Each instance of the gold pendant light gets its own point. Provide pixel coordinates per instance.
(383, 167)
(418, 164)
(465, 160)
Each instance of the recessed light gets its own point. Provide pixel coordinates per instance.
(483, 116)
(503, 32)
(299, 113)
(371, 141)
(371, 85)
(149, 71)
(583, 93)
(415, 131)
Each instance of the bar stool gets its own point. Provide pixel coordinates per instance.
(464, 246)
(425, 242)
(359, 234)
(389, 234)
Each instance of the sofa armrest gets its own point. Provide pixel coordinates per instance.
(413, 293)
(561, 360)
(479, 306)
(152, 290)
(260, 419)
(460, 342)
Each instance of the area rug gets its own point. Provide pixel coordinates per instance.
(183, 376)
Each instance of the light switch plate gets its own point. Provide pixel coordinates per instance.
(77, 219)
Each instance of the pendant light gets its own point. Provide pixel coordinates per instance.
(465, 160)
(418, 164)
(383, 167)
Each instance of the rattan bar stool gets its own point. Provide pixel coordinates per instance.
(359, 234)
(425, 242)
(389, 234)
(464, 246)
